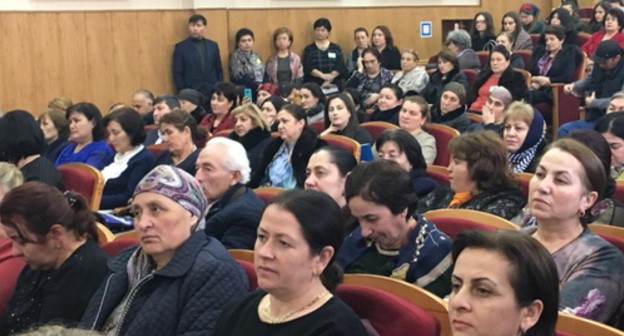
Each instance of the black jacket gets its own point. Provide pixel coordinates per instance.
(433, 90)
(255, 142)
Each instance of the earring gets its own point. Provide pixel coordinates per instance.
(581, 213)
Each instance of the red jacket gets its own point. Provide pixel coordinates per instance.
(591, 45)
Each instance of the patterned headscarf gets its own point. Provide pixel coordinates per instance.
(179, 186)
(520, 160)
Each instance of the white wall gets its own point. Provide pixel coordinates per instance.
(83, 5)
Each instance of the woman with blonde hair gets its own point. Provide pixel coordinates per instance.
(55, 130)
(412, 78)
(251, 130)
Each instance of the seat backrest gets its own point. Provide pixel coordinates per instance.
(443, 135)
(242, 254)
(388, 314)
(525, 74)
(438, 173)
(586, 13)
(579, 72)
(418, 296)
(85, 180)
(610, 233)
(578, 326)
(346, 143)
(581, 38)
(104, 234)
(484, 57)
(267, 193)
(223, 133)
(526, 57)
(535, 39)
(250, 271)
(130, 235)
(524, 179)
(318, 126)
(453, 221)
(471, 76)
(10, 269)
(374, 128)
(157, 150)
(619, 190)
(117, 245)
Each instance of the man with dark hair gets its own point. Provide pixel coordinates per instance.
(196, 60)
(163, 104)
(143, 102)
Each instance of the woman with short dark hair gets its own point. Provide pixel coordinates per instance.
(370, 77)
(611, 30)
(323, 61)
(222, 102)
(246, 67)
(180, 132)
(447, 71)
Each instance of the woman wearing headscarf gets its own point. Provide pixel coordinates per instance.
(524, 137)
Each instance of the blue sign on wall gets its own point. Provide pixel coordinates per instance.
(425, 29)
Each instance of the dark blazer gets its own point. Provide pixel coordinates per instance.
(52, 150)
(234, 218)
(187, 66)
(151, 136)
(509, 79)
(254, 142)
(563, 65)
(307, 143)
(433, 90)
(188, 165)
(118, 191)
(391, 58)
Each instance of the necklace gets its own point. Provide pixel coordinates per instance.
(267, 317)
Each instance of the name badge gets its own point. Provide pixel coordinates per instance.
(331, 55)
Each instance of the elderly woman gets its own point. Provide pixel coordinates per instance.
(511, 23)
(22, 143)
(389, 56)
(180, 131)
(612, 30)
(222, 102)
(270, 107)
(447, 71)
(327, 172)
(392, 239)
(178, 279)
(458, 42)
(568, 181)
(369, 77)
(192, 101)
(313, 101)
(323, 62)
(524, 137)
(341, 119)
(413, 116)
(86, 134)
(55, 233)
(388, 104)
(55, 132)
(10, 265)
(552, 63)
(246, 66)
(493, 113)
(450, 110)
(285, 158)
(498, 73)
(284, 67)
(482, 31)
(401, 147)
(132, 160)
(252, 131)
(611, 126)
(506, 272)
(295, 295)
(412, 78)
(479, 178)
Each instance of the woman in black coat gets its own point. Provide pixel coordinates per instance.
(447, 71)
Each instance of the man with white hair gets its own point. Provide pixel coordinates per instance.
(234, 209)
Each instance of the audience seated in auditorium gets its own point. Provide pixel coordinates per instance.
(223, 172)
(246, 67)
(498, 73)
(502, 276)
(561, 17)
(132, 160)
(177, 280)
(605, 79)
(529, 16)
(284, 68)
(459, 43)
(143, 102)
(413, 116)
(412, 79)
(524, 136)
(192, 101)
(590, 273)
(511, 23)
(56, 235)
(494, 110)
(451, 108)
(341, 119)
(313, 101)
(370, 77)
(354, 58)
(270, 107)
(162, 105)
(596, 23)
(21, 143)
(482, 31)
(401, 147)
(222, 102)
(611, 126)
(302, 276)
(55, 132)
(382, 40)
(573, 9)
(447, 71)
(612, 30)
(266, 90)
(285, 158)
(327, 172)
(392, 239)
(323, 62)
(86, 135)
(388, 104)
(252, 131)
(180, 131)
(516, 61)
(479, 178)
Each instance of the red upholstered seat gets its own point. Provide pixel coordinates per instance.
(471, 76)
(616, 241)
(251, 273)
(157, 150)
(267, 193)
(388, 314)
(443, 135)
(85, 180)
(453, 226)
(346, 143)
(374, 128)
(318, 126)
(438, 173)
(10, 268)
(115, 246)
